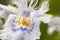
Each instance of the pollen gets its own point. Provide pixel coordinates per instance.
(25, 21)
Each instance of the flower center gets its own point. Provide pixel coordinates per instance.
(25, 21)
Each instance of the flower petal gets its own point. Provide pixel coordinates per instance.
(7, 8)
(36, 30)
(43, 9)
(45, 19)
(5, 11)
(51, 29)
(56, 23)
(32, 32)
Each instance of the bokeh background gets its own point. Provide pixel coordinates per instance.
(54, 10)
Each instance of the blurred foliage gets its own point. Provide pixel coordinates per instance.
(3, 21)
(55, 10)
(5, 2)
(44, 34)
(54, 7)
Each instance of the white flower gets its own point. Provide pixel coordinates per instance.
(5, 11)
(24, 23)
(54, 25)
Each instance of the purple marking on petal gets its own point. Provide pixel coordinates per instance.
(28, 14)
(32, 28)
(14, 17)
(13, 25)
(13, 21)
(23, 29)
(17, 29)
(33, 23)
(14, 29)
(24, 13)
(28, 32)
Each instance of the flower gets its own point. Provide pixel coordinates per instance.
(23, 22)
(54, 25)
(5, 11)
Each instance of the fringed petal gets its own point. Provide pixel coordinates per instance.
(45, 18)
(14, 32)
(55, 24)
(43, 9)
(51, 29)
(20, 3)
(6, 10)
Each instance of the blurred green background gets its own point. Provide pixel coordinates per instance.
(54, 10)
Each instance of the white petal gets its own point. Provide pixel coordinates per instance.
(7, 32)
(20, 3)
(43, 9)
(45, 19)
(56, 22)
(51, 29)
(7, 8)
(31, 3)
(36, 30)
(4, 14)
(5, 11)
(8, 21)
(35, 34)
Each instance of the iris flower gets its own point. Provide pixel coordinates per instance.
(23, 22)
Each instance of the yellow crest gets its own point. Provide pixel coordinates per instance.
(25, 21)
